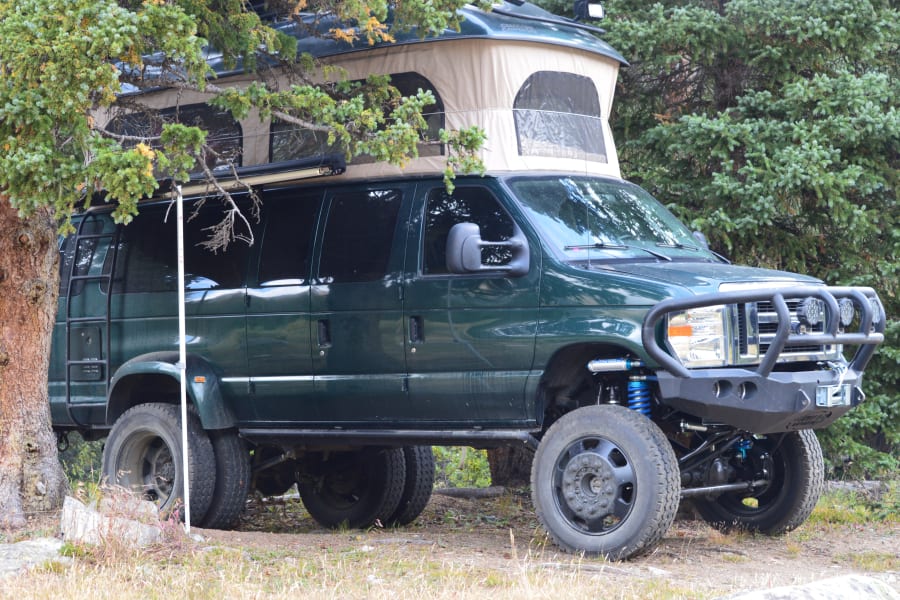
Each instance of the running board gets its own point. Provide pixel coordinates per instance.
(390, 437)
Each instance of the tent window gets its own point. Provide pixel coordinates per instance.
(558, 115)
(288, 141)
(225, 137)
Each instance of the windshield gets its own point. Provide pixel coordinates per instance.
(589, 217)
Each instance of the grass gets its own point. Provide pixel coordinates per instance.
(873, 561)
(387, 573)
(846, 507)
(458, 548)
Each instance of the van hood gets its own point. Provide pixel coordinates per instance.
(702, 277)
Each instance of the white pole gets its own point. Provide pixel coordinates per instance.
(182, 362)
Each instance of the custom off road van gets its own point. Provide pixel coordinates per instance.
(548, 304)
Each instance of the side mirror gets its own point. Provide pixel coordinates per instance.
(701, 239)
(464, 246)
(587, 10)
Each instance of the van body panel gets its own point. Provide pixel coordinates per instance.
(279, 348)
(470, 337)
(356, 311)
(279, 331)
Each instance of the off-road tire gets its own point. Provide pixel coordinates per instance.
(354, 489)
(605, 481)
(798, 479)
(418, 485)
(143, 453)
(232, 480)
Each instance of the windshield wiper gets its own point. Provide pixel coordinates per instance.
(605, 246)
(677, 245)
(680, 246)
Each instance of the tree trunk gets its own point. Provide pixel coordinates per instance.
(510, 465)
(31, 477)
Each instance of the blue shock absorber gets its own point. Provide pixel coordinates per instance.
(639, 394)
(741, 448)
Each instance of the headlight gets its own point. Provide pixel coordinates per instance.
(697, 336)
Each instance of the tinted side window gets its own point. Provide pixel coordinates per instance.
(466, 205)
(287, 242)
(148, 253)
(359, 235)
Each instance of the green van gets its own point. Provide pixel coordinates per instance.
(372, 320)
(549, 305)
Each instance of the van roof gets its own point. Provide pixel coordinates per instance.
(515, 21)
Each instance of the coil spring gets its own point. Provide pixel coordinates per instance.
(639, 394)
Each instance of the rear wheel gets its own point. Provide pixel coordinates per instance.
(793, 465)
(355, 489)
(232, 480)
(143, 454)
(605, 481)
(418, 485)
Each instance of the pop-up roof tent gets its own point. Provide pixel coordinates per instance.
(539, 85)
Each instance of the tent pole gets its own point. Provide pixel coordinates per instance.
(182, 362)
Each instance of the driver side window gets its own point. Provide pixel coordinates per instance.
(466, 205)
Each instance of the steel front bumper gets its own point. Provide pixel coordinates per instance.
(763, 400)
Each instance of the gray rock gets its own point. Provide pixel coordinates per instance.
(82, 524)
(847, 587)
(872, 490)
(22, 555)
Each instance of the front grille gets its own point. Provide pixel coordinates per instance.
(758, 324)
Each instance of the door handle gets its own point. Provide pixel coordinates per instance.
(416, 330)
(324, 333)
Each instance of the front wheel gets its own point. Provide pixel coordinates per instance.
(143, 454)
(605, 481)
(792, 463)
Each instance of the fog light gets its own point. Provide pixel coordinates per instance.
(877, 311)
(847, 311)
(811, 312)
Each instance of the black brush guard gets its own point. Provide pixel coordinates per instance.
(762, 399)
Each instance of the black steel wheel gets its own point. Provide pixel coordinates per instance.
(276, 479)
(605, 481)
(417, 487)
(354, 489)
(232, 480)
(793, 465)
(143, 454)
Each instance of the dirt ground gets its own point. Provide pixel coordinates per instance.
(501, 533)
